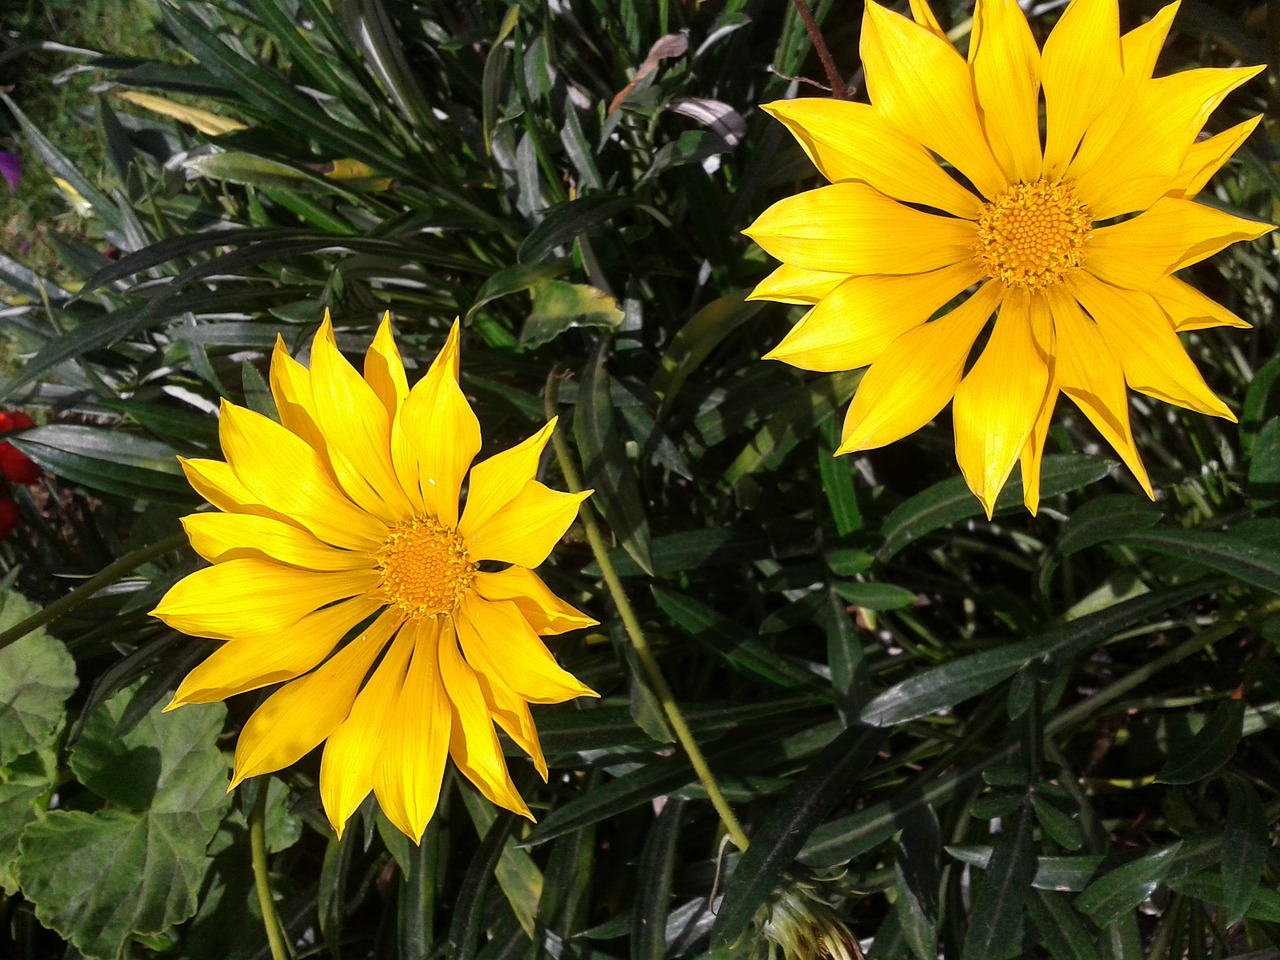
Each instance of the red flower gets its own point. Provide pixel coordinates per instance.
(8, 517)
(16, 466)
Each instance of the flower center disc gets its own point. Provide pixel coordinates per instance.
(425, 568)
(1033, 234)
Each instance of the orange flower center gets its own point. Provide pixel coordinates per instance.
(1033, 234)
(426, 570)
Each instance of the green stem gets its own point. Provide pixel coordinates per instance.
(639, 642)
(107, 576)
(261, 877)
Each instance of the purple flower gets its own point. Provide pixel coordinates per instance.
(11, 170)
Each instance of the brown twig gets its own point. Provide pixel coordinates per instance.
(834, 80)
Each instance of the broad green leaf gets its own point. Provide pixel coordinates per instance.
(874, 596)
(134, 868)
(1121, 889)
(995, 920)
(692, 146)
(1261, 403)
(517, 875)
(950, 683)
(26, 783)
(559, 306)
(777, 841)
(695, 341)
(605, 464)
(652, 899)
(36, 677)
(1063, 829)
(1062, 930)
(1256, 564)
(236, 166)
(1212, 746)
(109, 460)
(917, 876)
(951, 500)
(1245, 846)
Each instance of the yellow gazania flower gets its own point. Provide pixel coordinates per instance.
(344, 515)
(1039, 229)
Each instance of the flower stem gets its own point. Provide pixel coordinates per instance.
(834, 80)
(631, 623)
(104, 578)
(261, 877)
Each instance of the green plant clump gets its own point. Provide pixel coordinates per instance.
(922, 732)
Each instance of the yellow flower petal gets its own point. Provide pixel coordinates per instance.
(1089, 373)
(923, 15)
(941, 113)
(789, 284)
(1006, 74)
(294, 719)
(498, 642)
(355, 423)
(544, 611)
(495, 482)
(1139, 49)
(238, 666)
(291, 388)
(851, 141)
(285, 473)
(855, 323)
(1140, 162)
(436, 436)
(1206, 157)
(524, 531)
(1141, 337)
(1080, 70)
(346, 768)
(1189, 309)
(228, 536)
(473, 744)
(512, 714)
(851, 228)
(1170, 235)
(410, 766)
(252, 598)
(913, 379)
(998, 401)
(384, 369)
(1033, 449)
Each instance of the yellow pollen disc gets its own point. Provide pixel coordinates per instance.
(1033, 234)
(425, 568)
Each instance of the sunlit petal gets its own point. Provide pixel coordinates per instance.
(1080, 69)
(1006, 74)
(228, 536)
(546, 613)
(497, 481)
(526, 528)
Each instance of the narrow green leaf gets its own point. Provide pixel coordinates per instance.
(774, 847)
(1062, 930)
(565, 222)
(1212, 746)
(917, 876)
(1052, 873)
(494, 77)
(1058, 826)
(995, 920)
(950, 683)
(695, 341)
(1264, 466)
(111, 461)
(693, 550)
(1261, 403)
(875, 596)
(1245, 847)
(1256, 564)
(1097, 521)
(951, 500)
(513, 279)
(653, 895)
(606, 467)
(1120, 890)
(1263, 905)
(469, 900)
